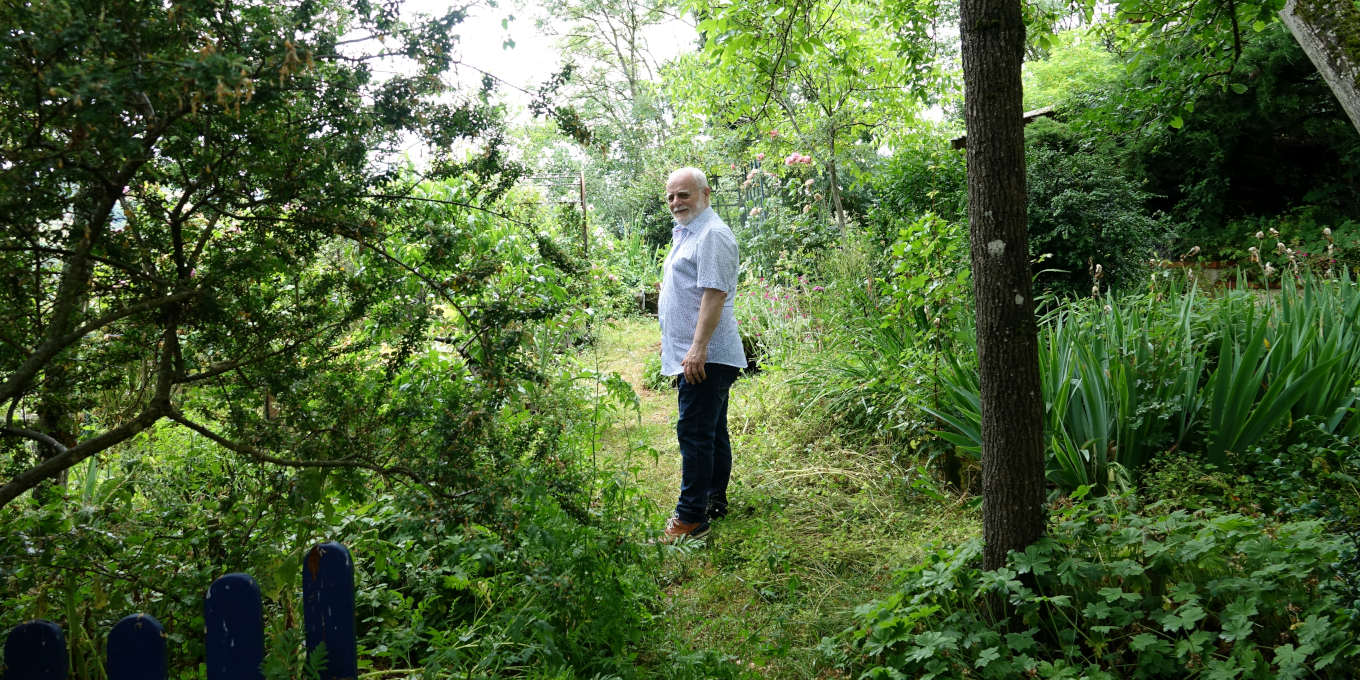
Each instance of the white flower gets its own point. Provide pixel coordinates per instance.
(1260, 235)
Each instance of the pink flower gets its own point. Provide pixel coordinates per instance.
(818, 289)
(760, 156)
(774, 133)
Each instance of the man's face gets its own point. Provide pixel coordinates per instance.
(685, 198)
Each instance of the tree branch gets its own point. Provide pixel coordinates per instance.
(65, 457)
(453, 203)
(53, 346)
(35, 436)
(261, 456)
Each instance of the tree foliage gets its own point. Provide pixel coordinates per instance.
(819, 75)
(203, 205)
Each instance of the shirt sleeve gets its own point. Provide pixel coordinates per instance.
(716, 256)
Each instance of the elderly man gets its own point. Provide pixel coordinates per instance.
(699, 343)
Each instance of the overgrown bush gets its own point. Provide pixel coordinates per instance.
(1084, 209)
(1112, 593)
(783, 241)
(924, 175)
(545, 567)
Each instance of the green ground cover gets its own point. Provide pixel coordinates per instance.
(817, 525)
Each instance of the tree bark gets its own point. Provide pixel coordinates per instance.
(993, 35)
(54, 420)
(836, 200)
(1329, 33)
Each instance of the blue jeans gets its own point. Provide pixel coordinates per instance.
(705, 449)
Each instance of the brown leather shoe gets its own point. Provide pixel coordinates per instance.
(677, 530)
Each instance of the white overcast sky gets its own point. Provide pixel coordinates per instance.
(534, 57)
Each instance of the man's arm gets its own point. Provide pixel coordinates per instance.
(710, 311)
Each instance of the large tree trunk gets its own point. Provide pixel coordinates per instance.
(1008, 346)
(1329, 33)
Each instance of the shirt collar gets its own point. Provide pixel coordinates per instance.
(697, 225)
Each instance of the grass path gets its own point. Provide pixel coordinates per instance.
(816, 527)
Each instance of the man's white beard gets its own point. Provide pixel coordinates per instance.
(690, 214)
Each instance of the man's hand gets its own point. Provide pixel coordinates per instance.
(693, 363)
(710, 311)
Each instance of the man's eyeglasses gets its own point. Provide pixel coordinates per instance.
(682, 195)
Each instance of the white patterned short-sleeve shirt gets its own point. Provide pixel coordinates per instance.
(703, 255)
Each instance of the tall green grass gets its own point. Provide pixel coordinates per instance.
(1128, 378)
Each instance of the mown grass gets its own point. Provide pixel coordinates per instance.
(818, 525)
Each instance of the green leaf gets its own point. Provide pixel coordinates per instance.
(1148, 641)
(1096, 610)
(1258, 26)
(1112, 594)
(1176, 122)
(1287, 655)
(1239, 88)
(1236, 629)
(1031, 561)
(987, 656)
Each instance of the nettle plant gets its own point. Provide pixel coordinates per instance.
(1111, 593)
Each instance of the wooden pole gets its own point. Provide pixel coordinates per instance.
(585, 230)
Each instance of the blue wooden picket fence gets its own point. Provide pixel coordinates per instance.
(233, 617)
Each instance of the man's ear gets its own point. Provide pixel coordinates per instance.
(707, 191)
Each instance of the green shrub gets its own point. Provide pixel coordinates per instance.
(784, 242)
(924, 175)
(1085, 209)
(1302, 232)
(1111, 593)
(652, 378)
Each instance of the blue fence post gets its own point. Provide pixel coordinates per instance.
(234, 618)
(328, 609)
(35, 650)
(137, 649)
